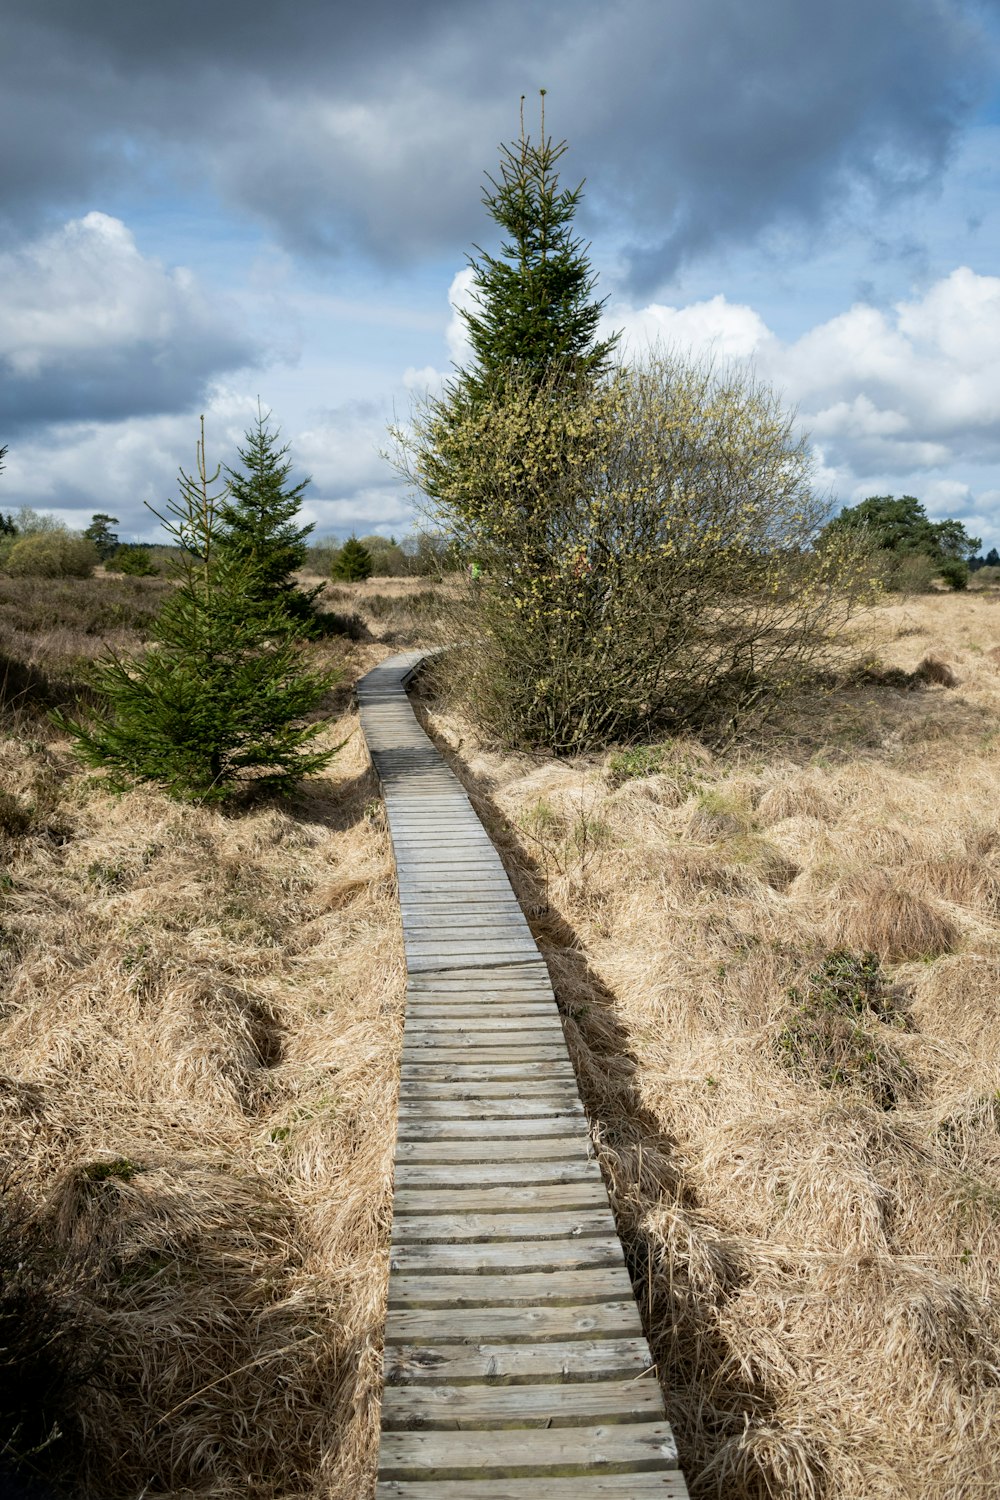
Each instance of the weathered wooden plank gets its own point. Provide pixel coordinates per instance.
(469, 906)
(459, 909)
(478, 986)
(418, 826)
(573, 1145)
(506, 899)
(463, 867)
(484, 1034)
(480, 1016)
(398, 797)
(461, 1071)
(469, 1454)
(480, 1011)
(530, 1108)
(444, 1088)
(468, 920)
(567, 1359)
(440, 963)
(449, 883)
(497, 943)
(553, 1404)
(667, 1484)
(546, 1224)
(505, 1198)
(452, 1067)
(511, 1289)
(437, 959)
(502, 1255)
(535, 976)
(494, 1020)
(453, 1051)
(495, 985)
(420, 782)
(475, 1325)
(435, 833)
(416, 847)
(469, 926)
(455, 1175)
(427, 1129)
(451, 1059)
(521, 1029)
(428, 989)
(459, 900)
(498, 982)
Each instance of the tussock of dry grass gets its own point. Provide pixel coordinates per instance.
(872, 912)
(814, 1237)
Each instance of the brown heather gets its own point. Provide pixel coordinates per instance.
(201, 1024)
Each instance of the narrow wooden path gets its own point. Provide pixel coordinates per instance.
(515, 1364)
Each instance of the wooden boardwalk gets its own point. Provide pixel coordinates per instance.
(515, 1364)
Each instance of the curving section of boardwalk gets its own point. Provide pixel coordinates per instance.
(515, 1364)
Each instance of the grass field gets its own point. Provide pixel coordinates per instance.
(202, 1016)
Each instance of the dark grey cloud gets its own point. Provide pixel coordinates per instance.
(90, 329)
(698, 123)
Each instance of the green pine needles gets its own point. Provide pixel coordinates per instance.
(353, 563)
(535, 316)
(220, 704)
(258, 511)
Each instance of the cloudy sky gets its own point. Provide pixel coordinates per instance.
(204, 203)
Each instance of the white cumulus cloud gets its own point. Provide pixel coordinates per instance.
(894, 399)
(91, 328)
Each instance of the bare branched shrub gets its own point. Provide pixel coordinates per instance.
(642, 552)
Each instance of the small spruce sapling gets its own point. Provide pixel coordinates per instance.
(258, 523)
(353, 563)
(134, 560)
(221, 703)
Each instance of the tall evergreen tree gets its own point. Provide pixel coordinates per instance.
(533, 332)
(99, 532)
(222, 701)
(258, 527)
(534, 313)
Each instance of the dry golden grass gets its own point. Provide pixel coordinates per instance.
(810, 1198)
(396, 612)
(200, 1031)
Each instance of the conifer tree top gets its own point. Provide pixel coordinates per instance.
(534, 311)
(260, 518)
